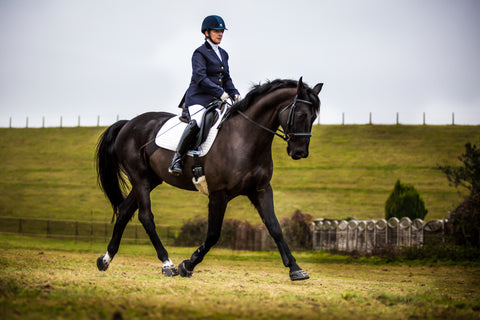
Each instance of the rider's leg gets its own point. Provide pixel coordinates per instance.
(196, 115)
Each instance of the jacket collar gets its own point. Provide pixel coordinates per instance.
(210, 49)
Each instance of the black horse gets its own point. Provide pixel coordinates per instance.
(238, 163)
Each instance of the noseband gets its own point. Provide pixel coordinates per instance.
(285, 135)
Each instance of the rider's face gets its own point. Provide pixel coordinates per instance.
(215, 35)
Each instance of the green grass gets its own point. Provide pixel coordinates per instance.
(49, 173)
(53, 279)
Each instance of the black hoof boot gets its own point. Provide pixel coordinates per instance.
(183, 270)
(102, 265)
(298, 275)
(170, 271)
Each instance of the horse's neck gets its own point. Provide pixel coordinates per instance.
(250, 136)
(265, 111)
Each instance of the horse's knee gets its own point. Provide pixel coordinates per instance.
(212, 239)
(276, 233)
(145, 217)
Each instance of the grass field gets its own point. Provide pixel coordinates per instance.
(52, 279)
(49, 173)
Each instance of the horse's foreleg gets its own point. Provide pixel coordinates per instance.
(263, 201)
(125, 213)
(145, 216)
(216, 211)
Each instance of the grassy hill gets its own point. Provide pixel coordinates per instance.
(50, 173)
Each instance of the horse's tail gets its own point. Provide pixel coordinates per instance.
(109, 171)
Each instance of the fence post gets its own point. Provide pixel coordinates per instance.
(10, 123)
(136, 233)
(343, 118)
(453, 118)
(26, 123)
(43, 122)
(98, 121)
(370, 119)
(424, 118)
(91, 231)
(48, 228)
(76, 231)
(78, 121)
(61, 122)
(397, 118)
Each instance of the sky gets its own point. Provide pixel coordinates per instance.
(106, 59)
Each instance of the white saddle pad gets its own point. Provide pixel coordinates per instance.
(170, 133)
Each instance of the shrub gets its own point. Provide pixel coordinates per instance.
(405, 201)
(297, 231)
(192, 233)
(241, 235)
(466, 217)
(465, 220)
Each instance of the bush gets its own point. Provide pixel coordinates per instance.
(192, 233)
(241, 235)
(465, 220)
(297, 231)
(466, 217)
(405, 201)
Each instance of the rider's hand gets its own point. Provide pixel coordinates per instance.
(224, 96)
(237, 98)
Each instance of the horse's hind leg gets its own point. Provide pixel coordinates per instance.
(145, 215)
(216, 211)
(125, 212)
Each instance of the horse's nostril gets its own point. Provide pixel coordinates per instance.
(299, 154)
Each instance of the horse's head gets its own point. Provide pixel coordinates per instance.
(297, 119)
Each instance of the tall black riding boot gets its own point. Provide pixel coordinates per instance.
(188, 136)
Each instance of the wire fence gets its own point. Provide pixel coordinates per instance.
(81, 230)
(106, 121)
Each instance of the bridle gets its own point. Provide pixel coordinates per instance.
(285, 135)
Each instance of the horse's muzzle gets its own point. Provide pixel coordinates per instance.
(297, 153)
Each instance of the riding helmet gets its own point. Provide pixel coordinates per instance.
(213, 23)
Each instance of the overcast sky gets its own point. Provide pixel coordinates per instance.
(90, 58)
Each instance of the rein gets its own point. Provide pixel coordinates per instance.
(291, 117)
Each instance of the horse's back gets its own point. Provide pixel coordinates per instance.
(142, 129)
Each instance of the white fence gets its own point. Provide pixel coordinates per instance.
(365, 235)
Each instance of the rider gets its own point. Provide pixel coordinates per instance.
(210, 81)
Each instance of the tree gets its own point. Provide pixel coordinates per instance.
(405, 201)
(468, 175)
(466, 217)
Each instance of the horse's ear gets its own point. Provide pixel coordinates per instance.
(318, 88)
(300, 86)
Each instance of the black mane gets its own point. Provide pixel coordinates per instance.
(259, 90)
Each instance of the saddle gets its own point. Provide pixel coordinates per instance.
(208, 120)
(170, 133)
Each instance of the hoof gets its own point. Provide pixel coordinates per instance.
(298, 275)
(102, 265)
(170, 271)
(183, 270)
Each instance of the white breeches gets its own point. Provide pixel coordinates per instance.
(196, 113)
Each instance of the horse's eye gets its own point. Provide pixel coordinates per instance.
(302, 115)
